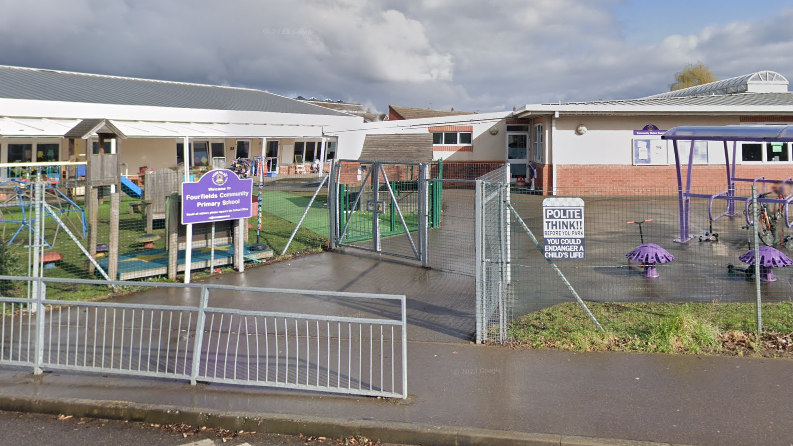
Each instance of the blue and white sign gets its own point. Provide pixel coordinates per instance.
(563, 228)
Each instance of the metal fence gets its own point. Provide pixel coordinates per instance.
(711, 276)
(361, 355)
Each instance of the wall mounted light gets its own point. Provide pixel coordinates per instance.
(493, 130)
(581, 129)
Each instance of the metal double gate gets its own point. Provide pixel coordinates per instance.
(381, 207)
(330, 352)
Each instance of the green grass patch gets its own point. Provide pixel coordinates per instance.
(710, 328)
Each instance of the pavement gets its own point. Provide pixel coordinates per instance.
(459, 393)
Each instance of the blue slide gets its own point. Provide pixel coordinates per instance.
(130, 188)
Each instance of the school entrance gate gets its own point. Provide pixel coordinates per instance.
(382, 207)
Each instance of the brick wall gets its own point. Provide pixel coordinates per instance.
(630, 179)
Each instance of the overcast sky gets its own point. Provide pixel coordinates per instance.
(473, 55)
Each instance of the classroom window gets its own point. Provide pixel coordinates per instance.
(752, 152)
(539, 143)
(20, 153)
(243, 149)
(200, 153)
(272, 149)
(218, 150)
(330, 151)
(776, 152)
(451, 138)
(47, 152)
(310, 152)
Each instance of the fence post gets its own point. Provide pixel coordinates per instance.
(478, 228)
(423, 217)
(756, 226)
(38, 350)
(404, 348)
(333, 206)
(199, 334)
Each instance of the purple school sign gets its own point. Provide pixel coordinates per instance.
(217, 196)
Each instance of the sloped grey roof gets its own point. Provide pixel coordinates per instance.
(398, 147)
(728, 100)
(87, 127)
(49, 85)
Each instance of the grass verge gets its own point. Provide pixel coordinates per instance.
(683, 328)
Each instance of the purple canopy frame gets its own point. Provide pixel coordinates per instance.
(726, 134)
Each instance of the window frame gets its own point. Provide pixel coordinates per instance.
(764, 153)
(538, 143)
(457, 139)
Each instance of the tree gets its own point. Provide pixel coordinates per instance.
(693, 75)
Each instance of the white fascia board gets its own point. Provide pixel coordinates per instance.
(546, 109)
(79, 110)
(419, 123)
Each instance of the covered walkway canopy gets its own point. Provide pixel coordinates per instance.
(726, 134)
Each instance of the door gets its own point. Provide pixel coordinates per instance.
(518, 154)
(271, 156)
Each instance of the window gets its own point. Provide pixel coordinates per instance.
(306, 151)
(218, 150)
(47, 152)
(180, 152)
(243, 149)
(777, 151)
(517, 146)
(200, 153)
(272, 149)
(517, 128)
(20, 153)
(539, 143)
(108, 146)
(452, 138)
(330, 151)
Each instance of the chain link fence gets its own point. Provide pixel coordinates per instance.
(633, 278)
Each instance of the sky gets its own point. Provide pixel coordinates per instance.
(473, 55)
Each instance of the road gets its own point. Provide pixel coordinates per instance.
(20, 429)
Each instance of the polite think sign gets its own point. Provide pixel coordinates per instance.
(217, 196)
(563, 228)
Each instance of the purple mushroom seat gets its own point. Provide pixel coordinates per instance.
(650, 254)
(770, 258)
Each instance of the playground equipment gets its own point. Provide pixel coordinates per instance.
(16, 208)
(770, 258)
(648, 254)
(732, 133)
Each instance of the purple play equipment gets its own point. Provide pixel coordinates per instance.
(770, 258)
(648, 254)
(726, 134)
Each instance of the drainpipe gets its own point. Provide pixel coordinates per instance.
(550, 153)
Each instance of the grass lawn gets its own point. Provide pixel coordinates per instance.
(710, 328)
(290, 207)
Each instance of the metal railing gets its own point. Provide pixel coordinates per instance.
(327, 353)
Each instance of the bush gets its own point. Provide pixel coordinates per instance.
(9, 266)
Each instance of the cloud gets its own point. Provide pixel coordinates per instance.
(468, 54)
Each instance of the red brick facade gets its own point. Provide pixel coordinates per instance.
(631, 179)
